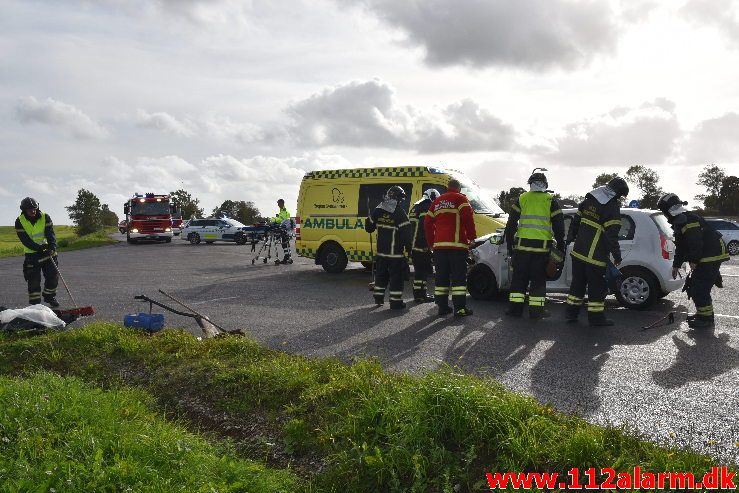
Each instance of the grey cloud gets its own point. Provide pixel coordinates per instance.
(643, 135)
(366, 114)
(54, 113)
(719, 14)
(531, 34)
(164, 122)
(714, 141)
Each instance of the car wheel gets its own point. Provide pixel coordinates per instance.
(481, 283)
(639, 289)
(733, 247)
(240, 239)
(333, 258)
(122, 230)
(193, 238)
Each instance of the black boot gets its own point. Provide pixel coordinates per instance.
(34, 302)
(444, 310)
(598, 319)
(51, 301)
(397, 304)
(379, 300)
(538, 312)
(462, 311)
(420, 296)
(701, 322)
(515, 310)
(719, 282)
(572, 312)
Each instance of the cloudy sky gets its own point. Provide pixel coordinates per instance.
(237, 99)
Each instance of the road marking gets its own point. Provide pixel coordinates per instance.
(214, 299)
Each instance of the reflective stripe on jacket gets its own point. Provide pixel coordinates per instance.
(393, 231)
(696, 241)
(450, 223)
(595, 229)
(417, 217)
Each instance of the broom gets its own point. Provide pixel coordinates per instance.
(78, 311)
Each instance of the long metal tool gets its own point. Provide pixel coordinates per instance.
(84, 311)
(200, 315)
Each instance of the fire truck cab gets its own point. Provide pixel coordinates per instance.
(148, 217)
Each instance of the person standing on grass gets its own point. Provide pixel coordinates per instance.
(35, 231)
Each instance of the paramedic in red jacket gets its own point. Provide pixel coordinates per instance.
(450, 230)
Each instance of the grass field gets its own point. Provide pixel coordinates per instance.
(340, 428)
(66, 239)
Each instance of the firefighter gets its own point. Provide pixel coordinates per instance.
(394, 238)
(535, 220)
(279, 220)
(450, 230)
(36, 232)
(421, 254)
(703, 248)
(594, 230)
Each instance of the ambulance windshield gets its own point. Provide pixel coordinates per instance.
(481, 202)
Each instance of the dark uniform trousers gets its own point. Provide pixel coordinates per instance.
(529, 274)
(389, 270)
(451, 276)
(702, 280)
(584, 273)
(422, 269)
(33, 265)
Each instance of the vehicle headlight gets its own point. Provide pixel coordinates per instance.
(167, 229)
(134, 230)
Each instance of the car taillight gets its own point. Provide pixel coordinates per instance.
(663, 245)
(297, 227)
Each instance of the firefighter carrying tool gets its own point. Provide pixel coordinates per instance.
(36, 232)
(393, 239)
(421, 254)
(532, 225)
(703, 248)
(450, 230)
(595, 229)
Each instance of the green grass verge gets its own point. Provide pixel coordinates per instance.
(66, 239)
(373, 431)
(59, 434)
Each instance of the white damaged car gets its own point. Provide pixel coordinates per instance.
(647, 249)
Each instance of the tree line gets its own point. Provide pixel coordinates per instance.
(722, 195)
(90, 215)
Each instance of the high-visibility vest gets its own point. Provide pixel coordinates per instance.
(35, 231)
(535, 222)
(281, 216)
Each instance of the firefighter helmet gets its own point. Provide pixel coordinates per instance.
(670, 205)
(432, 194)
(619, 186)
(29, 203)
(538, 177)
(395, 192)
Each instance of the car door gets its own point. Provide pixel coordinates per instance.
(228, 231)
(210, 230)
(627, 235)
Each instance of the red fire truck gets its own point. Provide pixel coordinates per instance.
(149, 217)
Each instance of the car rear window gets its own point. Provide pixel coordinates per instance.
(662, 224)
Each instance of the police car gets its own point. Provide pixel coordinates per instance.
(646, 246)
(211, 230)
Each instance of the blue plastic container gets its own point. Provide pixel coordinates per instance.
(150, 322)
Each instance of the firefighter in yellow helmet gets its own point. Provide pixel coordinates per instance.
(36, 232)
(535, 221)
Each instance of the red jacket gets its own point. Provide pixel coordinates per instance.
(449, 223)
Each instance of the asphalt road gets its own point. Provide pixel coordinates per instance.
(671, 384)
